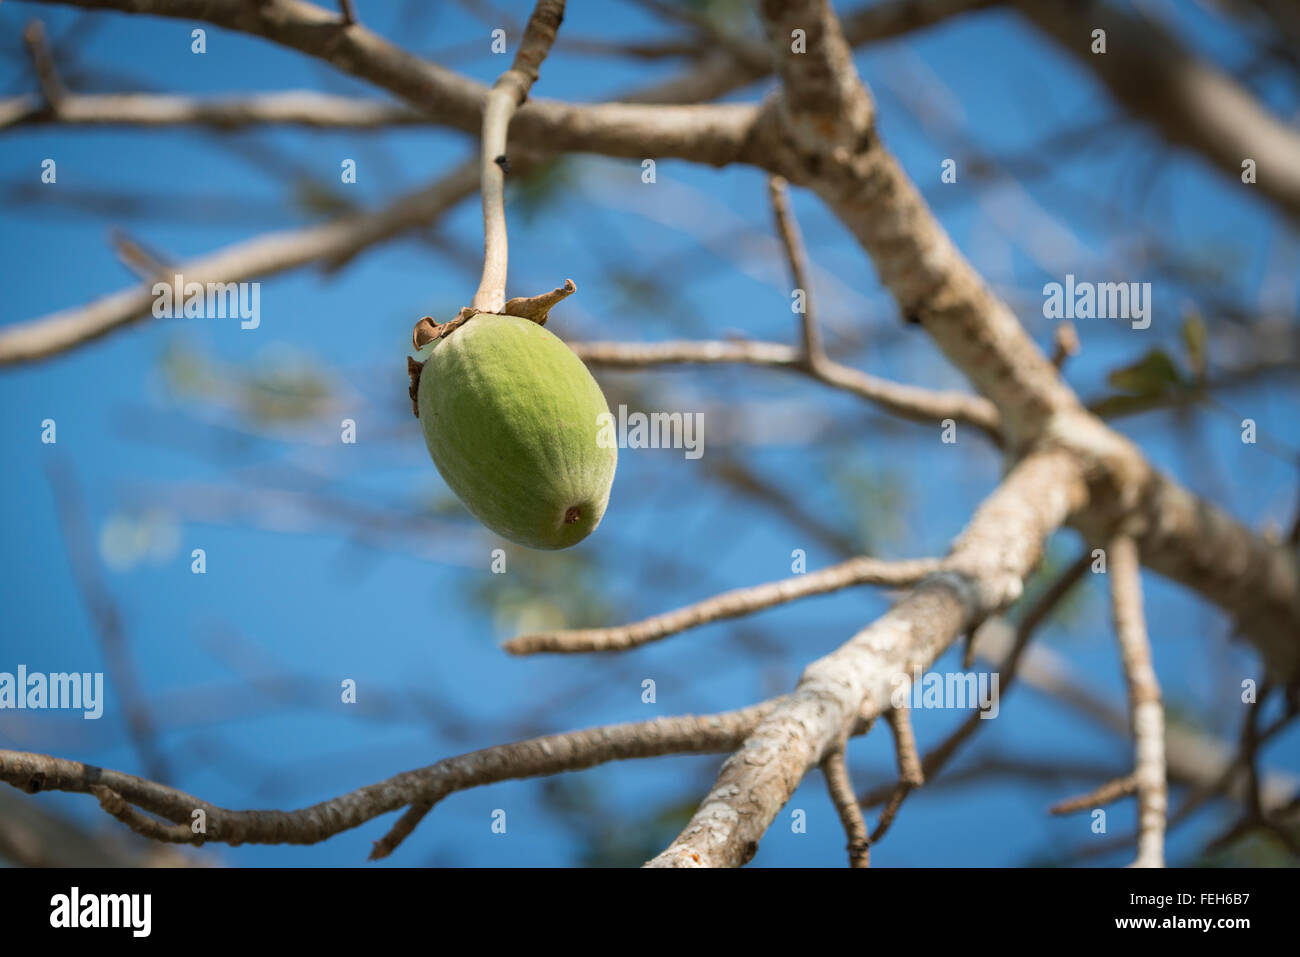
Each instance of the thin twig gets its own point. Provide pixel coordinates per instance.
(330, 242)
(509, 91)
(1108, 793)
(1144, 700)
(289, 107)
(787, 229)
(910, 773)
(575, 750)
(909, 761)
(910, 402)
(146, 264)
(840, 787)
(731, 604)
(47, 76)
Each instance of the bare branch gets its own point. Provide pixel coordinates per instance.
(1108, 793)
(917, 404)
(290, 107)
(732, 604)
(821, 135)
(148, 265)
(122, 794)
(336, 240)
(720, 73)
(910, 774)
(788, 229)
(1190, 101)
(709, 134)
(909, 762)
(43, 62)
(983, 574)
(840, 787)
(1144, 700)
(1008, 667)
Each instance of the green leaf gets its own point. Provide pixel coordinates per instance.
(1153, 374)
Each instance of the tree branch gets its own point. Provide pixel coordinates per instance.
(820, 133)
(732, 604)
(266, 255)
(788, 231)
(708, 134)
(910, 774)
(1189, 101)
(983, 573)
(840, 787)
(1008, 666)
(917, 404)
(125, 795)
(43, 63)
(290, 107)
(1144, 700)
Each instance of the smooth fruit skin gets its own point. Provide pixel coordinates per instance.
(510, 415)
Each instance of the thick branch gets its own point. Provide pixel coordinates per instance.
(984, 573)
(1008, 665)
(822, 135)
(840, 157)
(724, 72)
(1189, 101)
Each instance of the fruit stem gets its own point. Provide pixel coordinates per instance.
(507, 93)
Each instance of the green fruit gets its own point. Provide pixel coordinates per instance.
(511, 417)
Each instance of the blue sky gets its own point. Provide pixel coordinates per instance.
(328, 561)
